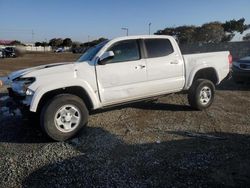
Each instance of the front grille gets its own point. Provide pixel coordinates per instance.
(245, 66)
(15, 95)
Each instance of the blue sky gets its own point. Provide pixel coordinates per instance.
(79, 19)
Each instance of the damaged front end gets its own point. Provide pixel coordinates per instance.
(19, 92)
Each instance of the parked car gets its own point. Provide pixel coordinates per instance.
(10, 52)
(59, 50)
(78, 50)
(122, 70)
(2, 53)
(241, 70)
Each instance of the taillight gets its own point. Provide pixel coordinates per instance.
(230, 59)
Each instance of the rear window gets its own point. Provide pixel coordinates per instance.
(158, 47)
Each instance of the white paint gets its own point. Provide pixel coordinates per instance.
(121, 81)
(166, 74)
(216, 60)
(124, 81)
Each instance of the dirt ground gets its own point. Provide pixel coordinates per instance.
(8, 65)
(161, 143)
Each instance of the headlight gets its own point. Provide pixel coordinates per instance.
(20, 85)
(29, 92)
(28, 80)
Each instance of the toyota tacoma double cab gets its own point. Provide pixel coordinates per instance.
(115, 72)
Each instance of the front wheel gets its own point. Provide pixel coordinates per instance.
(63, 116)
(201, 94)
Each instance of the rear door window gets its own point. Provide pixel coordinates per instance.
(158, 47)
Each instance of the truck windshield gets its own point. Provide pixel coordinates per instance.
(90, 53)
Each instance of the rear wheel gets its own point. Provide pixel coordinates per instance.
(201, 94)
(63, 116)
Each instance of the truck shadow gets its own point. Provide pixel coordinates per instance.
(162, 106)
(18, 129)
(230, 85)
(105, 160)
(15, 129)
(148, 105)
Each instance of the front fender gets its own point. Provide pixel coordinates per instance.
(43, 89)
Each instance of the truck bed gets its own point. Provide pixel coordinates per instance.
(216, 60)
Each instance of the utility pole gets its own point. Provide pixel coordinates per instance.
(125, 29)
(32, 33)
(149, 28)
(45, 43)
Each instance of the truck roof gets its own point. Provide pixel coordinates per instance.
(142, 37)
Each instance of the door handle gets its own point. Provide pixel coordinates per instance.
(174, 62)
(140, 67)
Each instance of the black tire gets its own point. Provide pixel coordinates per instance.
(194, 92)
(32, 117)
(49, 111)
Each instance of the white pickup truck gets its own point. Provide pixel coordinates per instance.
(114, 72)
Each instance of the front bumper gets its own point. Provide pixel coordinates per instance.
(23, 102)
(15, 95)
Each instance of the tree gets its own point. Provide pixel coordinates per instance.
(67, 42)
(167, 31)
(235, 25)
(38, 44)
(93, 43)
(210, 33)
(43, 44)
(227, 37)
(184, 34)
(16, 42)
(75, 44)
(56, 42)
(247, 37)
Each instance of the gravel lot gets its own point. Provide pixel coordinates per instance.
(161, 143)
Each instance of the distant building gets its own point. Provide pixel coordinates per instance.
(6, 42)
(25, 47)
(30, 44)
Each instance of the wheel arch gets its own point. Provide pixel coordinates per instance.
(74, 90)
(208, 73)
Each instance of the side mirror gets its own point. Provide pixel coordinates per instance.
(106, 56)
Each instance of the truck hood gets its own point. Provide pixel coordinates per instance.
(24, 72)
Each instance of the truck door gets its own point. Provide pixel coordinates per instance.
(165, 66)
(123, 77)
